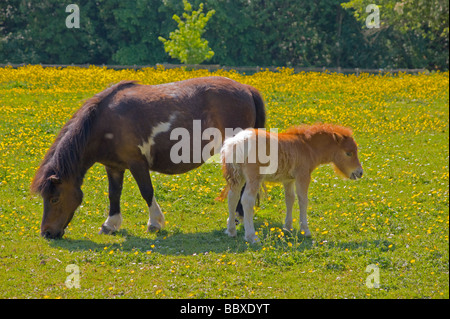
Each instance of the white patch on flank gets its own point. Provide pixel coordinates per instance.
(109, 136)
(160, 128)
(233, 149)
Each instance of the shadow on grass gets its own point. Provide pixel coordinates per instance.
(165, 243)
(178, 243)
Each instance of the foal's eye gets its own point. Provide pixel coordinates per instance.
(54, 200)
(349, 154)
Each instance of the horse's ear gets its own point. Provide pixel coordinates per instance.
(55, 179)
(338, 137)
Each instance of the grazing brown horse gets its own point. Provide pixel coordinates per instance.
(128, 126)
(298, 152)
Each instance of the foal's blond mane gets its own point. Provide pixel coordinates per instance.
(309, 130)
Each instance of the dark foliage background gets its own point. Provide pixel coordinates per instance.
(241, 33)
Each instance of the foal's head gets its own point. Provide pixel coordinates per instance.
(345, 159)
(332, 143)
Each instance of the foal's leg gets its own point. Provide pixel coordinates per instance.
(114, 220)
(239, 209)
(302, 184)
(248, 203)
(234, 195)
(141, 174)
(289, 196)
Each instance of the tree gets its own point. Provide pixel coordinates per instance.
(185, 43)
(427, 17)
(423, 23)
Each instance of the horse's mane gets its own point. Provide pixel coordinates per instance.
(63, 157)
(309, 130)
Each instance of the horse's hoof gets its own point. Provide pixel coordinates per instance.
(105, 230)
(153, 229)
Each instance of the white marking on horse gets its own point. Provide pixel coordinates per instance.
(156, 219)
(113, 222)
(158, 129)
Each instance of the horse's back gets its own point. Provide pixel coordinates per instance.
(147, 114)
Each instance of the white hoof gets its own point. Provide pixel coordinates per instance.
(111, 225)
(231, 233)
(153, 228)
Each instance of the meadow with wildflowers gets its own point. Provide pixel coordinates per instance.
(395, 219)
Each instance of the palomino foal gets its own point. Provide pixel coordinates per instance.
(300, 150)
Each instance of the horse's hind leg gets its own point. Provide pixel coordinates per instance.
(248, 203)
(114, 220)
(233, 199)
(141, 174)
(239, 209)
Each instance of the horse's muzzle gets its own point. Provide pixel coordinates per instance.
(358, 173)
(48, 234)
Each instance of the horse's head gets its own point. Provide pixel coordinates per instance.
(345, 159)
(61, 199)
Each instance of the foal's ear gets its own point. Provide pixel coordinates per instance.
(55, 179)
(338, 137)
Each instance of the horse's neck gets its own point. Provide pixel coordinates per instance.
(86, 161)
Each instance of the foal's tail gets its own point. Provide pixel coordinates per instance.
(260, 121)
(233, 154)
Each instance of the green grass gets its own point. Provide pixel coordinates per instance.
(395, 217)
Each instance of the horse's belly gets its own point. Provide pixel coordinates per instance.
(171, 168)
(277, 178)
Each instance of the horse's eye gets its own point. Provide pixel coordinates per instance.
(349, 154)
(54, 200)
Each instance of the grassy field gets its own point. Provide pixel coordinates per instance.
(394, 222)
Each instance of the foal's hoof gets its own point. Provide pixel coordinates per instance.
(252, 239)
(231, 233)
(106, 230)
(306, 233)
(153, 229)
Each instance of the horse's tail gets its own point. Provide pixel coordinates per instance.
(233, 153)
(260, 121)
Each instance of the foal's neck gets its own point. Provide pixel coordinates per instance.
(323, 147)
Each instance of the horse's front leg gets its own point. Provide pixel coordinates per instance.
(289, 196)
(302, 184)
(114, 220)
(141, 174)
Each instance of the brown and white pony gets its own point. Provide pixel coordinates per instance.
(128, 126)
(299, 151)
